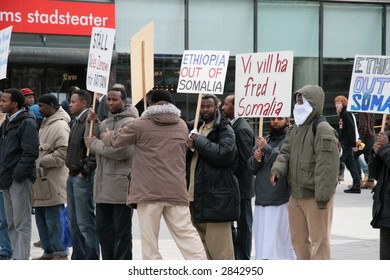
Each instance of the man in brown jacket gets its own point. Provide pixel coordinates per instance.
(158, 184)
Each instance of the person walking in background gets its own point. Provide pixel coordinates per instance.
(158, 186)
(112, 179)
(19, 148)
(379, 168)
(245, 140)
(49, 192)
(271, 226)
(366, 123)
(347, 138)
(5, 242)
(310, 161)
(79, 185)
(212, 186)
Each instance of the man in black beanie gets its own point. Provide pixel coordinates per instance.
(158, 185)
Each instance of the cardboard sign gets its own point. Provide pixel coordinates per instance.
(370, 85)
(142, 62)
(99, 60)
(5, 39)
(263, 84)
(203, 72)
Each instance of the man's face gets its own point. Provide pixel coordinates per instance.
(76, 104)
(114, 102)
(29, 100)
(6, 105)
(44, 109)
(299, 99)
(208, 109)
(228, 107)
(278, 123)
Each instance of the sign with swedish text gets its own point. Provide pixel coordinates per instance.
(263, 84)
(99, 59)
(5, 39)
(203, 71)
(370, 85)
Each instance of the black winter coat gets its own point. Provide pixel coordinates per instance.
(380, 170)
(19, 148)
(216, 193)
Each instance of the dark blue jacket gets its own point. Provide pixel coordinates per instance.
(19, 148)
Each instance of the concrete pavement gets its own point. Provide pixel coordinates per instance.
(352, 236)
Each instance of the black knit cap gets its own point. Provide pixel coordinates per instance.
(49, 99)
(161, 95)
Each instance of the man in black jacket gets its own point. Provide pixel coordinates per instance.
(245, 141)
(19, 145)
(79, 186)
(213, 187)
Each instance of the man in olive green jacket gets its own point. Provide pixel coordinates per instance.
(310, 162)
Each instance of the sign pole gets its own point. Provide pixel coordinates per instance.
(91, 124)
(198, 110)
(383, 122)
(143, 74)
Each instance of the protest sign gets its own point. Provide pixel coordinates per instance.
(370, 85)
(203, 71)
(99, 60)
(5, 39)
(263, 84)
(142, 63)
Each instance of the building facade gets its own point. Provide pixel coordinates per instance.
(52, 54)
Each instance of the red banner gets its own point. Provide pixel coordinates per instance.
(55, 17)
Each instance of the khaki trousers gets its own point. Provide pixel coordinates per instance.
(310, 228)
(178, 221)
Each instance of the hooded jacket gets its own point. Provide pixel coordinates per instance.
(18, 148)
(113, 170)
(160, 138)
(50, 187)
(267, 195)
(310, 163)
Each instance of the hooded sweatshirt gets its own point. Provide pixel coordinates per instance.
(310, 163)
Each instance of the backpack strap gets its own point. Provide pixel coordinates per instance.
(316, 122)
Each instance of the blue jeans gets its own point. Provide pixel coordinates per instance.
(49, 228)
(242, 235)
(81, 218)
(5, 242)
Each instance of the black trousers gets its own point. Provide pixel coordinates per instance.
(113, 227)
(384, 244)
(242, 235)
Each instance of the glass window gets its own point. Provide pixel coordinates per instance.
(289, 25)
(352, 29)
(168, 18)
(221, 25)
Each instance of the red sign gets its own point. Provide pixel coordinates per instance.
(56, 17)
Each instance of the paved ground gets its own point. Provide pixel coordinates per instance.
(352, 236)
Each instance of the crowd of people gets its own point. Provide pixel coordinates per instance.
(103, 165)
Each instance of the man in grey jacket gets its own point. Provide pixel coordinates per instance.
(311, 164)
(112, 179)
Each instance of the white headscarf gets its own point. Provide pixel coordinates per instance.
(301, 112)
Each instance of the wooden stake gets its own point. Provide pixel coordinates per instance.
(197, 111)
(383, 122)
(91, 124)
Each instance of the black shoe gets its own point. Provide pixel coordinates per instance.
(3, 257)
(352, 190)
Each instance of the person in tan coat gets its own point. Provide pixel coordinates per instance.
(49, 192)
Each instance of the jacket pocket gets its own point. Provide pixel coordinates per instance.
(41, 189)
(307, 172)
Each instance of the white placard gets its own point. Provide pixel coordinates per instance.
(370, 85)
(203, 71)
(99, 60)
(5, 39)
(263, 84)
